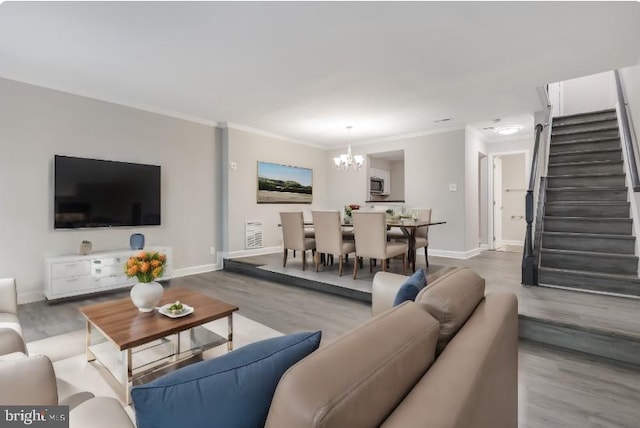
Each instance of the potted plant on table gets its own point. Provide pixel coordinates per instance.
(347, 212)
(146, 267)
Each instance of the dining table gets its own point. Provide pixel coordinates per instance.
(409, 228)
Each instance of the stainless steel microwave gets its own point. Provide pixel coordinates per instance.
(376, 185)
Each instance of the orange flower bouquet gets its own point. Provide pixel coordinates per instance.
(146, 266)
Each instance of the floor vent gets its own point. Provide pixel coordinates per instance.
(253, 235)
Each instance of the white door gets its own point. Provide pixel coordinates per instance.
(497, 202)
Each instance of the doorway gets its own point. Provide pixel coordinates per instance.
(483, 200)
(509, 190)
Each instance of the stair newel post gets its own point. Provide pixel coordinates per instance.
(529, 269)
(528, 261)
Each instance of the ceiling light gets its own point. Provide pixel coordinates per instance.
(508, 130)
(348, 161)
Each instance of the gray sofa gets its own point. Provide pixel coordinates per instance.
(448, 360)
(31, 381)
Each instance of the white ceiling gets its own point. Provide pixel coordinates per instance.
(305, 70)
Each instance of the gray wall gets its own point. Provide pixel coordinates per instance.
(245, 149)
(36, 123)
(432, 162)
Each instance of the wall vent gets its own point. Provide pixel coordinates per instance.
(253, 234)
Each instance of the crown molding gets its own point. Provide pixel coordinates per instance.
(407, 136)
(237, 126)
(123, 103)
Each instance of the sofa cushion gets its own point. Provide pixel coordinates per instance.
(234, 390)
(358, 379)
(451, 300)
(410, 288)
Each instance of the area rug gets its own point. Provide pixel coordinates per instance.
(67, 351)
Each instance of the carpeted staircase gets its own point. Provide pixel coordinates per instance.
(587, 241)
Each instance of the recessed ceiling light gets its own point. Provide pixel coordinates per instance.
(508, 130)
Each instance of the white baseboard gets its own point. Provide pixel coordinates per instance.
(511, 242)
(193, 270)
(257, 252)
(461, 255)
(30, 297)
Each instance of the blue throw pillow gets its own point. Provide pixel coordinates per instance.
(234, 390)
(411, 287)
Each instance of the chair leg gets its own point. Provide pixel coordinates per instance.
(404, 264)
(340, 265)
(294, 254)
(384, 265)
(304, 259)
(426, 255)
(284, 258)
(355, 268)
(316, 259)
(370, 265)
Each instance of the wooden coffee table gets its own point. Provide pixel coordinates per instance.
(162, 339)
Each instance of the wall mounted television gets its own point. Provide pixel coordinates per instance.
(101, 193)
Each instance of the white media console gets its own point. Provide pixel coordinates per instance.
(75, 275)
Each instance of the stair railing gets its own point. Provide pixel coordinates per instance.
(625, 115)
(529, 258)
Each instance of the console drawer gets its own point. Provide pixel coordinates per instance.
(68, 269)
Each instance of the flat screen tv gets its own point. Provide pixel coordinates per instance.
(100, 193)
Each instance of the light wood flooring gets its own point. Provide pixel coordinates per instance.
(556, 388)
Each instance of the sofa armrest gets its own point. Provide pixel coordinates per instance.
(384, 289)
(11, 341)
(100, 412)
(27, 381)
(8, 296)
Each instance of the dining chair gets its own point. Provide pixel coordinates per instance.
(422, 233)
(293, 236)
(371, 241)
(329, 237)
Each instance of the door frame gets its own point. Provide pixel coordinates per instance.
(490, 216)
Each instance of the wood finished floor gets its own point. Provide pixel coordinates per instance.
(556, 389)
(501, 271)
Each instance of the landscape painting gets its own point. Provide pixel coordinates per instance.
(283, 184)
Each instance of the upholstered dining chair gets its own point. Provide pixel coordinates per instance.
(422, 233)
(293, 236)
(329, 237)
(370, 231)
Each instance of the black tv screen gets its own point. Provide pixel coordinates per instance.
(100, 193)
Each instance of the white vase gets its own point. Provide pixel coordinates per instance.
(146, 296)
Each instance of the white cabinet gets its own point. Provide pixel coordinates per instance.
(75, 275)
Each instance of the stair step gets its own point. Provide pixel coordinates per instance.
(616, 209)
(608, 133)
(605, 243)
(593, 116)
(578, 128)
(585, 144)
(608, 118)
(599, 225)
(569, 168)
(585, 156)
(586, 180)
(563, 194)
(589, 261)
(591, 281)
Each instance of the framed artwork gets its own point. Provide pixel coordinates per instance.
(284, 184)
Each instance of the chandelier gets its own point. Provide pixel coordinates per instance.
(349, 161)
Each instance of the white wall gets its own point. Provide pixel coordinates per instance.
(245, 149)
(513, 197)
(630, 77)
(36, 123)
(590, 93)
(397, 180)
(432, 162)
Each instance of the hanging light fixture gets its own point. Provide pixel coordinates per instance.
(348, 161)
